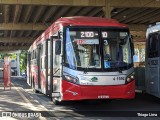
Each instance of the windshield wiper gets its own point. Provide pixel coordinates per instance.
(119, 70)
(86, 70)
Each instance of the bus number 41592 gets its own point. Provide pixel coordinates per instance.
(119, 78)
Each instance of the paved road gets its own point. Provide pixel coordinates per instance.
(22, 98)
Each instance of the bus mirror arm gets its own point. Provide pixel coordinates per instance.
(55, 37)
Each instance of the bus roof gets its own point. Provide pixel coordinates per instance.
(153, 28)
(79, 21)
(89, 21)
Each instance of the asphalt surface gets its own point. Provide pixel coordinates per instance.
(22, 99)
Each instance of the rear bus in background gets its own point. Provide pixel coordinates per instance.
(152, 64)
(80, 58)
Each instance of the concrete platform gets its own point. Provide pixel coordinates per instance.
(18, 100)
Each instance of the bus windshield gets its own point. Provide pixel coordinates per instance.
(116, 49)
(97, 48)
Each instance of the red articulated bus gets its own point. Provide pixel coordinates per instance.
(80, 58)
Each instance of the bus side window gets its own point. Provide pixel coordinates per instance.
(56, 54)
(58, 47)
(42, 56)
(32, 54)
(153, 45)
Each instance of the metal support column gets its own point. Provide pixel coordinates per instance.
(18, 64)
(107, 9)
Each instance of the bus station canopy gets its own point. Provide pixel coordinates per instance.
(22, 21)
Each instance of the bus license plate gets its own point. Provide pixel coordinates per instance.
(103, 96)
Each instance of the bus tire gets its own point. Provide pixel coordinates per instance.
(55, 101)
(33, 86)
(35, 91)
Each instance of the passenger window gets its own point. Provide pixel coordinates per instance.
(153, 45)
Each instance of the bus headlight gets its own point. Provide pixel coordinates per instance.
(71, 79)
(130, 78)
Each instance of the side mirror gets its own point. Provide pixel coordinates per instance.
(58, 47)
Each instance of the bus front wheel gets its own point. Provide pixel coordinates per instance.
(55, 101)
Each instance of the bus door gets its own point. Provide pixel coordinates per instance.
(152, 66)
(39, 64)
(43, 71)
(56, 69)
(48, 64)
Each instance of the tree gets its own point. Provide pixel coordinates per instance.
(1, 56)
(23, 61)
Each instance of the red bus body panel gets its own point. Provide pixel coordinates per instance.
(83, 92)
(34, 73)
